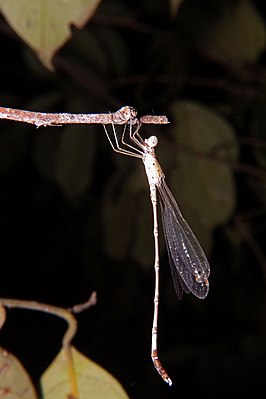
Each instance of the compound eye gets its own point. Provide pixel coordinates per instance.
(152, 141)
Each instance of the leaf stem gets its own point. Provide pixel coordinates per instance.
(67, 315)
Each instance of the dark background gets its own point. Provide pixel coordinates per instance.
(52, 242)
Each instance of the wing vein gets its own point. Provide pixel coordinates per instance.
(189, 265)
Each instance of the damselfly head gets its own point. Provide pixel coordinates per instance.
(126, 114)
(152, 141)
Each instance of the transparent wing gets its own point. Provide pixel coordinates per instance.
(179, 284)
(189, 266)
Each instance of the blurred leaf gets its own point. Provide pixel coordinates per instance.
(239, 34)
(66, 157)
(258, 129)
(92, 47)
(45, 25)
(13, 146)
(202, 179)
(14, 380)
(119, 214)
(46, 144)
(142, 249)
(127, 215)
(93, 380)
(73, 169)
(174, 7)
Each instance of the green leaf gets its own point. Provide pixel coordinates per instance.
(118, 216)
(239, 35)
(66, 157)
(14, 380)
(203, 180)
(73, 170)
(93, 381)
(174, 7)
(258, 129)
(127, 215)
(119, 210)
(92, 47)
(142, 248)
(13, 143)
(45, 25)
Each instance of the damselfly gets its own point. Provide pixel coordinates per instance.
(189, 266)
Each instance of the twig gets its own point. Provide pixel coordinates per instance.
(85, 305)
(2, 315)
(68, 336)
(245, 90)
(120, 117)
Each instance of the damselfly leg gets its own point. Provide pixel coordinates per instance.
(119, 142)
(189, 266)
